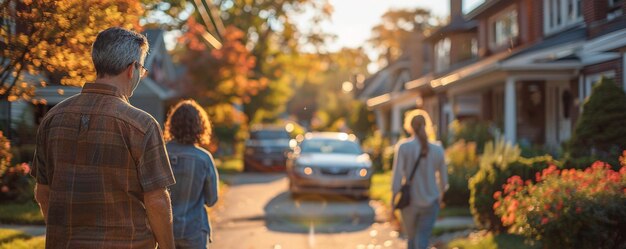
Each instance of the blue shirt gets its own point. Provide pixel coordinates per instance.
(196, 186)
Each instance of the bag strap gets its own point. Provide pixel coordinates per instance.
(417, 163)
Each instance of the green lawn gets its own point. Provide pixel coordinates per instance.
(381, 187)
(229, 165)
(7, 235)
(13, 239)
(32, 243)
(381, 190)
(26, 213)
(491, 241)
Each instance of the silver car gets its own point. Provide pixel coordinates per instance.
(329, 163)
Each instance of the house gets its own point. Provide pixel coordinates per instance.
(526, 66)
(385, 91)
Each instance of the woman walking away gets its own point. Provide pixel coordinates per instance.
(428, 183)
(187, 127)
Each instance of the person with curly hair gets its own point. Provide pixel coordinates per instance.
(188, 128)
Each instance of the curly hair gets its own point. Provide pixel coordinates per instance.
(188, 123)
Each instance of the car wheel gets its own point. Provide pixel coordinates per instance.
(247, 167)
(362, 197)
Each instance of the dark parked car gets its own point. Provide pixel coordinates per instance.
(267, 149)
(330, 163)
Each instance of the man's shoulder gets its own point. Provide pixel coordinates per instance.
(109, 106)
(136, 117)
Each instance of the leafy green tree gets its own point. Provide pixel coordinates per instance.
(600, 130)
(392, 34)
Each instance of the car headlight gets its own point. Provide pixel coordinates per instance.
(307, 171)
(363, 172)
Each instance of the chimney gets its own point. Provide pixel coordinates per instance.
(456, 9)
(416, 54)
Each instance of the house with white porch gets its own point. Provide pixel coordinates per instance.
(528, 67)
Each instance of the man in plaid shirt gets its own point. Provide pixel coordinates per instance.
(101, 166)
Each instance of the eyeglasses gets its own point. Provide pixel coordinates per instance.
(144, 70)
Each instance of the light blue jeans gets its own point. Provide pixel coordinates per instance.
(418, 224)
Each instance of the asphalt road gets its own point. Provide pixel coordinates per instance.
(257, 212)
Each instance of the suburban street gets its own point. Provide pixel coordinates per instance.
(257, 212)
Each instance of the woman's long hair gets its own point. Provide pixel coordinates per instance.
(418, 123)
(188, 123)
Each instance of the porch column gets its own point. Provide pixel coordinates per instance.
(380, 121)
(395, 123)
(510, 110)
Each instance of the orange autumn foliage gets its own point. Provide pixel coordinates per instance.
(52, 38)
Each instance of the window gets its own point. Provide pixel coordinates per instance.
(614, 9)
(442, 53)
(614, 3)
(474, 47)
(591, 80)
(504, 29)
(561, 14)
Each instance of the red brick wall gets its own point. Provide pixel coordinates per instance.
(535, 19)
(594, 11)
(615, 65)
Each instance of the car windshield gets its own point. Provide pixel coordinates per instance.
(269, 134)
(328, 146)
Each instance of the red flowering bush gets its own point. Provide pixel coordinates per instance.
(568, 208)
(15, 183)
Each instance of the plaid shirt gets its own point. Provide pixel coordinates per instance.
(99, 154)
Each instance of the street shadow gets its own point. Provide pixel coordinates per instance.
(251, 178)
(318, 214)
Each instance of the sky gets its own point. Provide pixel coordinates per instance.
(352, 20)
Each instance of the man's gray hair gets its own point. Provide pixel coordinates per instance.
(115, 49)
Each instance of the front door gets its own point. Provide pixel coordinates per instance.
(559, 101)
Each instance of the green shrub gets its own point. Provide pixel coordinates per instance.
(375, 146)
(462, 164)
(568, 208)
(471, 131)
(600, 130)
(23, 153)
(500, 161)
(21, 213)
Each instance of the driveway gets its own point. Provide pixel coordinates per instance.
(257, 212)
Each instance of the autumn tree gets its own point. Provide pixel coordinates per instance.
(272, 37)
(52, 39)
(223, 75)
(221, 79)
(390, 36)
(275, 40)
